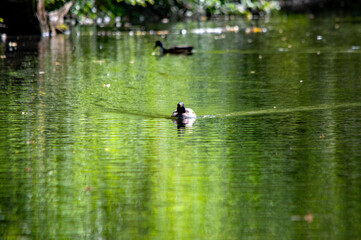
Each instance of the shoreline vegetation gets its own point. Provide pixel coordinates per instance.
(49, 17)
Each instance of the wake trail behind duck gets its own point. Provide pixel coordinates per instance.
(275, 110)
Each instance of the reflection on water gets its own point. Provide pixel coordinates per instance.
(184, 122)
(88, 149)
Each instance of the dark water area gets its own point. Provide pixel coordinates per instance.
(88, 149)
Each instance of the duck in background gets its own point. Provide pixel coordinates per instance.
(174, 50)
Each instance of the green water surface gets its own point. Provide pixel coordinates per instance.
(88, 151)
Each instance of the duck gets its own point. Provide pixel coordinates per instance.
(174, 50)
(182, 112)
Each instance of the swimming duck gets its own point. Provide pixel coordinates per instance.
(183, 112)
(174, 50)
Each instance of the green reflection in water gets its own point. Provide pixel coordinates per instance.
(88, 151)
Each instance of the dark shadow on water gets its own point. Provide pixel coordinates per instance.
(123, 111)
(161, 55)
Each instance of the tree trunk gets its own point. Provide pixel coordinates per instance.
(42, 15)
(56, 17)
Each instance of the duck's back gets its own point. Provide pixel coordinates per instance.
(190, 113)
(180, 49)
(175, 113)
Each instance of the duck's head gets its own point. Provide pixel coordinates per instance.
(158, 44)
(180, 108)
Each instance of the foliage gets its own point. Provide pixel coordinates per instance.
(162, 8)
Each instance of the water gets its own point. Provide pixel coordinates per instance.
(88, 150)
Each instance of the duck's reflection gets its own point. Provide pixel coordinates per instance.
(182, 123)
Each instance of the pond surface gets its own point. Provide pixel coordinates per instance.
(88, 151)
